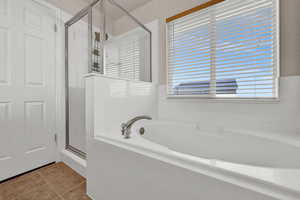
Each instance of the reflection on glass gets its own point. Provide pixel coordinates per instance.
(121, 47)
(77, 67)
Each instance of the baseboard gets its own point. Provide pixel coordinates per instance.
(75, 162)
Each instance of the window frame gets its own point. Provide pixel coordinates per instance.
(213, 97)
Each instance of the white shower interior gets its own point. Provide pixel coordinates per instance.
(122, 55)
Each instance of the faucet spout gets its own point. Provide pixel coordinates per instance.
(126, 127)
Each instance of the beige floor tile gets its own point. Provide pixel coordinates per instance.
(15, 188)
(41, 192)
(78, 193)
(61, 177)
(53, 182)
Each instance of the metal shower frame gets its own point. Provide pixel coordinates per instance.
(88, 11)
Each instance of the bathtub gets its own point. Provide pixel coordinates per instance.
(224, 145)
(230, 164)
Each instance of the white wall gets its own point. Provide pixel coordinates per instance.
(280, 117)
(112, 101)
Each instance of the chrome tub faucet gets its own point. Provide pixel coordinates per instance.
(126, 127)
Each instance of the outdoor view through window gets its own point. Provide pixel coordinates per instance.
(228, 50)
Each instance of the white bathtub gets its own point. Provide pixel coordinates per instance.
(224, 145)
(259, 164)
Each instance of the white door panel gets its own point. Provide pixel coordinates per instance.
(4, 70)
(27, 86)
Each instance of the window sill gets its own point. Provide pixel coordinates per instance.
(225, 100)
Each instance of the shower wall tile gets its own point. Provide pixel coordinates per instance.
(279, 117)
(111, 102)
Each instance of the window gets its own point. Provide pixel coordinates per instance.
(225, 50)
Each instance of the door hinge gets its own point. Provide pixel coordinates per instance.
(55, 28)
(55, 138)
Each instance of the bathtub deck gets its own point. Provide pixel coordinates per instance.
(53, 182)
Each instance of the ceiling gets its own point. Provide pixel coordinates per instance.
(129, 5)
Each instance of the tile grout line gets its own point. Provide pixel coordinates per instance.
(79, 184)
(50, 186)
(46, 182)
(31, 174)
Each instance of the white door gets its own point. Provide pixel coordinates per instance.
(27, 86)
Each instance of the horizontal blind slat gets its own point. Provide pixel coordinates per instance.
(171, 79)
(242, 45)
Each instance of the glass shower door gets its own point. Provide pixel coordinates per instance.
(77, 58)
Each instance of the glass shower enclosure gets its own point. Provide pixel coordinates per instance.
(103, 38)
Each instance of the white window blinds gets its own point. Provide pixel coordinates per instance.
(123, 59)
(229, 50)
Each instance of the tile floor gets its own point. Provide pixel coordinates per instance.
(53, 182)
